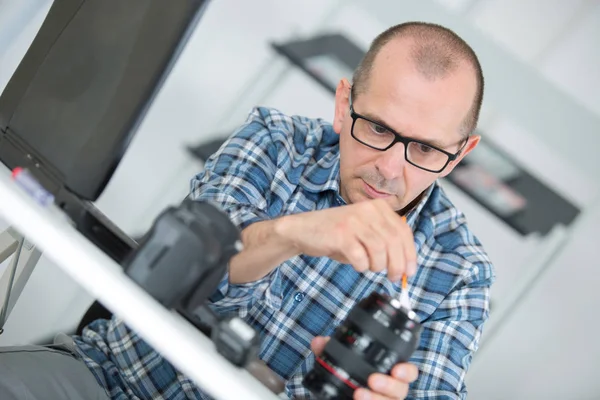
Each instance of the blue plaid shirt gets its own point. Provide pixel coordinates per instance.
(276, 165)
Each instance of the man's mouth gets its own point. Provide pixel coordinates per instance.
(374, 193)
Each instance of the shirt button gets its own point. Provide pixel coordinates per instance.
(299, 297)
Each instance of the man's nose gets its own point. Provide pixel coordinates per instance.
(391, 162)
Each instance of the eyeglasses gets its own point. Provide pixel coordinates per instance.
(379, 137)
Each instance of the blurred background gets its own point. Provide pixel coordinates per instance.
(531, 192)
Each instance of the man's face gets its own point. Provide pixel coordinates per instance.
(400, 98)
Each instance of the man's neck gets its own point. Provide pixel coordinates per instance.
(412, 204)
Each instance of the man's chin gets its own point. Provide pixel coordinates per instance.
(393, 203)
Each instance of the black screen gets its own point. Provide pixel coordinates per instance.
(82, 88)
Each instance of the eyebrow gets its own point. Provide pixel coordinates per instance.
(433, 143)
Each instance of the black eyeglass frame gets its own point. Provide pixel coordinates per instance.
(405, 141)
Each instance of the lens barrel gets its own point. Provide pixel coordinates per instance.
(376, 335)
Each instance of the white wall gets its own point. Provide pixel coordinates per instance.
(557, 38)
(548, 347)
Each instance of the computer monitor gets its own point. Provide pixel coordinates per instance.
(83, 86)
(74, 102)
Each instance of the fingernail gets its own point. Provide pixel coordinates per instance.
(412, 267)
(362, 394)
(378, 383)
(399, 373)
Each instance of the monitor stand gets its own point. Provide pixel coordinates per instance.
(13, 280)
(96, 226)
(87, 219)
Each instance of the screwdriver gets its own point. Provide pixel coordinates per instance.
(404, 299)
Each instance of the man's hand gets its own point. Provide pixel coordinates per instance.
(369, 235)
(383, 387)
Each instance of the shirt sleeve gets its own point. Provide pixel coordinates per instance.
(237, 180)
(449, 339)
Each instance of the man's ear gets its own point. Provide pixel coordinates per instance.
(472, 142)
(342, 104)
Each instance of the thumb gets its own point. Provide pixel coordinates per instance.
(318, 344)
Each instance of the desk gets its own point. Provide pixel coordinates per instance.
(176, 339)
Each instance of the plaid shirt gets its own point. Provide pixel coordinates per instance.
(276, 165)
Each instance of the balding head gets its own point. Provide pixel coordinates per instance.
(436, 53)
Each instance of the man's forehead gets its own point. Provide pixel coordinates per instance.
(396, 89)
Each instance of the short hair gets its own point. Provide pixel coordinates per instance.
(436, 51)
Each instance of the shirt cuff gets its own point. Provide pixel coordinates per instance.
(238, 298)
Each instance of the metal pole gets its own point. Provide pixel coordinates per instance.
(13, 269)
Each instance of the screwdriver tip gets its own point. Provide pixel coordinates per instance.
(404, 298)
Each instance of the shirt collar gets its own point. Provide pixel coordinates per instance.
(323, 175)
(333, 179)
(412, 215)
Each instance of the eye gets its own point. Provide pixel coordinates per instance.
(378, 129)
(423, 148)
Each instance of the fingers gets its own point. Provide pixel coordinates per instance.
(376, 247)
(318, 344)
(365, 394)
(373, 237)
(390, 237)
(356, 254)
(380, 237)
(389, 387)
(362, 246)
(409, 248)
(398, 241)
(405, 372)
(396, 263)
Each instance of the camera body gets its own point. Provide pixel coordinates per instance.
(376, 335)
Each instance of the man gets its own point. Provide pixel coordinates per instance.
(320, 208)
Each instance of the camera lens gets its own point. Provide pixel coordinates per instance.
(376, 335)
